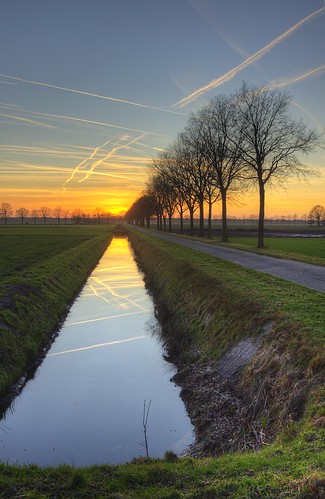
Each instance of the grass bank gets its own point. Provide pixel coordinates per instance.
(42, 270)
(209, 306)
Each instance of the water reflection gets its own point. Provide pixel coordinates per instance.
(85, 404)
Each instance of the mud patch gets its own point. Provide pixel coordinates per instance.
(220, 410)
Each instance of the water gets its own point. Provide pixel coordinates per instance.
(85, 403)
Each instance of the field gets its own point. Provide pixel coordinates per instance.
(209, 305)
(306, 249)
(42, 270)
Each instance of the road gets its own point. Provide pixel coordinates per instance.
(305, 274)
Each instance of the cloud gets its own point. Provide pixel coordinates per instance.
(250, 60)
(89, 94)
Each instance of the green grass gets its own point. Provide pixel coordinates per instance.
(309, 250)
(42, 270)
(210, 304)
(294, 470)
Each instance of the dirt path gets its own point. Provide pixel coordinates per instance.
(305, 274)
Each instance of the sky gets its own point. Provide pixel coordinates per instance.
(92, 90)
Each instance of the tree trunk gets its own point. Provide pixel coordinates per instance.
(191, 222)
(182, 221)
(201, 230)
(164, 218)
(224, 216)
(209, 219)
(261, 216)
(169, 223)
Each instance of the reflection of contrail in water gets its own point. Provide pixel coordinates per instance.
(117, 295)
(117, 342)
(228, 76)
(117, 316)
(99, 295)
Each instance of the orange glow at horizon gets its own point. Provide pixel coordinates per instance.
(113, 187)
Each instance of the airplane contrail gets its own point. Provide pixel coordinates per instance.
(84, 161)
(26, 120)
(290, 81)
(250, 60)
(109, 154)
(91, 122)
(89, 94)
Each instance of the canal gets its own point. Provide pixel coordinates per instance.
(85, 404)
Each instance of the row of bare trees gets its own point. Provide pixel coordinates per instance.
(44, 212)
(233, 143)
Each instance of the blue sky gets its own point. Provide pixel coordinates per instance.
(155, 53)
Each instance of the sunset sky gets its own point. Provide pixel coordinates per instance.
(91, 90)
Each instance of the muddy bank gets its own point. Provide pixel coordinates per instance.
(220, 409)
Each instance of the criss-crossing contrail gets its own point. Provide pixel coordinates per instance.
(77, 168)
(90, 94)
(250, 60)
(109, 154)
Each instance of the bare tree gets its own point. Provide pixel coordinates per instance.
(45, 212)
(194, 158)
(77, 215)
(271, 141)
(57, 212)
(65, 215)
(98, 212)
(317, 214)
(5, 211)
(34, 214)
(222, 137)
(22, 213)
(186, 177)
(141, 211)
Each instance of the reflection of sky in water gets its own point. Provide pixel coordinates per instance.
(85, 404)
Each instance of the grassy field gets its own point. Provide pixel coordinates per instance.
(42, 269)
(210, 305)
(309, 250)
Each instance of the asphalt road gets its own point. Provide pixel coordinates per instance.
(305, 274)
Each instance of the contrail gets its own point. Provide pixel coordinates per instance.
(84, 161)
(290, 81)
(250, 60)
(111, 152)
(89, 94)
(26, 120)
(91, 122)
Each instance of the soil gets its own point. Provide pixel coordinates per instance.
(220, 411)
